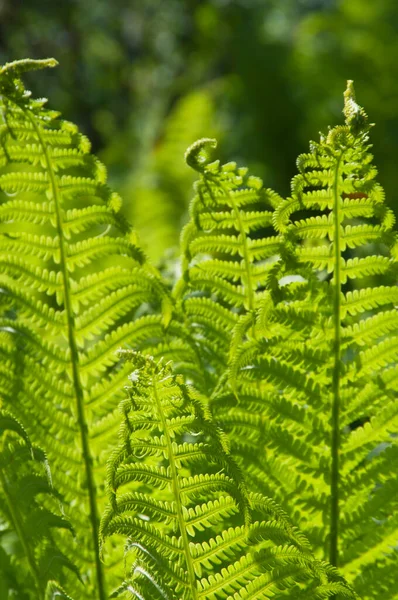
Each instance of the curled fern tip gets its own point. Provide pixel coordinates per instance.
(199, 153)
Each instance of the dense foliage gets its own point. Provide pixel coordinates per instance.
(255, 453)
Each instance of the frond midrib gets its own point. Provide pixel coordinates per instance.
(177, 495)
(334, 506)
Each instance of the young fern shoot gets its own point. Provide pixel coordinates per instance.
(193, 531)
(229, 248)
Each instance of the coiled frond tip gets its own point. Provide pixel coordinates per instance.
(198, 155)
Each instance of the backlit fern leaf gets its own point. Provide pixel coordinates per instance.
(219, 244)
(228, 252)
(192, 529)
(317, 395)
(72, 280)
(284, 317)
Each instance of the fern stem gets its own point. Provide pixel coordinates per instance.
(177, 496)
(335, 446)
(16, 522)
(74, 357)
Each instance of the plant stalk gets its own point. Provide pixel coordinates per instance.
(335, 442)
(177, 497)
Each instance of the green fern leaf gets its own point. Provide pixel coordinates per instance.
(179, 499)
(73, 280)
(229, 252)
(321, 357)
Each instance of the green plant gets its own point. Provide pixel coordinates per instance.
(262, 388)
(181, 484)
(331, 341)
(72, 280)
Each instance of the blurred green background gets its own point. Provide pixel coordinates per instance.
(145, 78)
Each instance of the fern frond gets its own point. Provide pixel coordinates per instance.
(74, 281)
(192, 529)
(229, 252)
(313, 374)
(227, 199)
